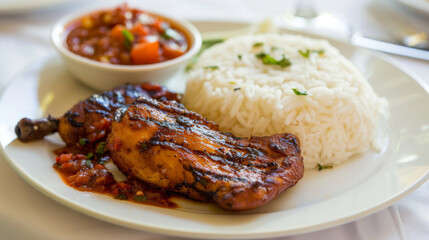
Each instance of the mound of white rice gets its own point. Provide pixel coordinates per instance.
(337, 118)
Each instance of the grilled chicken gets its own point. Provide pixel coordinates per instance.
(89, 120)
(166, 146)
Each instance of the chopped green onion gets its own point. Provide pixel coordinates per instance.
(299, 93)
(121, 197)
(129, 38)
(100, 149)
(321, 167)
(89, 156)
(83, 141)
(307, 52)
(258, 44)
(139, 198)
(214, 67)
(268, 60)
(88, 163)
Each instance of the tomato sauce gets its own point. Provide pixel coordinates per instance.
(88, 173)
(125, 36)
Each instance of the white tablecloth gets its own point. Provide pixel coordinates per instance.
(25, 213)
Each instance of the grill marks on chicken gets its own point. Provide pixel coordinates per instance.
(166, 146)
(90, 119)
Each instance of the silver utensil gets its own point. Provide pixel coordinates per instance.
(399, 27)
(359, 40)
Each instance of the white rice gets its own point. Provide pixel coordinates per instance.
(337, 119)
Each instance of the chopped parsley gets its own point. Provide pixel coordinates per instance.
(258, 44)
(214, 67)
(269, 60)
(240, 57)
(320, 167)
(89, 156)
(88, 163)
(299, 93)
(129, 39)
(139, 198)
(307, 52)
(121, 197)
(83, 141)
(100, 149)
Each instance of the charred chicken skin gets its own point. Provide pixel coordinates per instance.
(89, 120)
(166, 146)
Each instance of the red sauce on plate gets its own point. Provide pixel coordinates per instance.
(125, 36)
(88, 173)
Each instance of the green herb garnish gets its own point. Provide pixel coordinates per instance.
(129, 39)
(206, 44)
(273, 48)
(83, 141)
(299, 93)
(139, 198)
(320, 167)
(307, 52)
(89, 156)
(239, 56)
(236, 89)
(100, 149)
(258, 44)
(121, 197)
(214, 67)
(269, 60)
(88, 163)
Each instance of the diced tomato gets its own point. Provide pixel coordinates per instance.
(64, 158)
(172, 52)
(116, 31)
(139, 30)
(124, 186)
(145, 53)
(151, 87)
(98, 166)
(115, 192)
(159, 25)
(81, 179)
(80, 156)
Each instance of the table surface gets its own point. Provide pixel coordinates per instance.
(25, 213)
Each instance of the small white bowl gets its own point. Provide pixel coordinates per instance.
(104, 76)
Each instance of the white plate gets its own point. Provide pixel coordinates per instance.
(15, 6)
(367, 183)
(418, 5)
